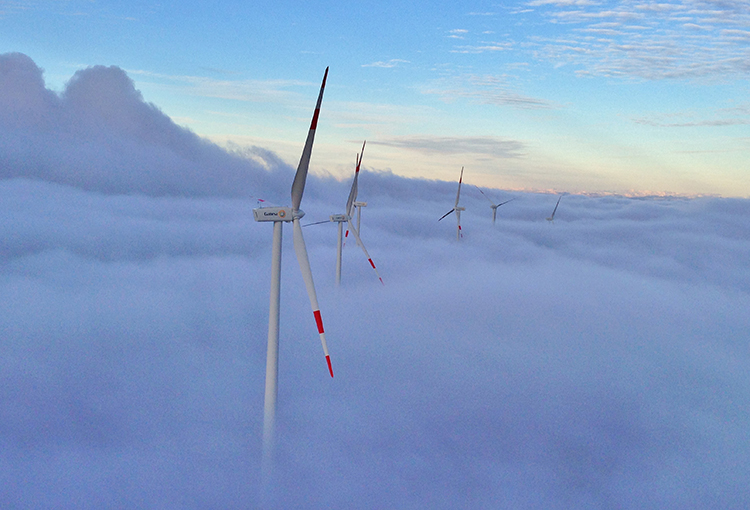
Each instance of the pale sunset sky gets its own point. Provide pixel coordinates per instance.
(562, 95)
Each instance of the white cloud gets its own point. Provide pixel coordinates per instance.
(494, 90)
(682, 40)
(99, 134)
(491, 146)
(597, 362)
(394, 62)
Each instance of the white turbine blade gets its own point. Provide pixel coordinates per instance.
(354, 190)
(446, 214)
(485, 196)
(298, 186)
(359, 242)
(304, 266)
(458, 194)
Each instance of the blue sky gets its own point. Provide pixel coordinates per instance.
(568, 95)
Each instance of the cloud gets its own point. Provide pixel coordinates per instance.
(734, 116)
(100, 134)
(599, 362)
(493, 90)
(237, 89)
(674, 40)
(483, 48)
(561, 3)
(394, 62)
(485, 145)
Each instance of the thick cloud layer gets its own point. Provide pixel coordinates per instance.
(100, 135)
(596, 362)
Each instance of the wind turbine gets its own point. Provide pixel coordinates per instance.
(552, 218)
(278, 215)
(456, 208)
(493, 205)
(353, 196)
(347, 218)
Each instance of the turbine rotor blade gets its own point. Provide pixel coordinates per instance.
(359, 242)
(485, 196)
(316, 223)
(353, 192)
(446, 214)
(555, 209)
(304, 266)
(460, 179)
(298, 186)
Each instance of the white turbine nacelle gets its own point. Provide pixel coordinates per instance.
(460, 208)
(338, 218)
(360, 204)
(276, 214)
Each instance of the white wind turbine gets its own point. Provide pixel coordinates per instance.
(493, 205)
(358, 205)
(278, 215)
(456, 208)
(347, 218)
(552, 217)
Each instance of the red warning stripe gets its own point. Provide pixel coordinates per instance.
(330, 368)
(372, 263)
(314, 124)
(318, 321)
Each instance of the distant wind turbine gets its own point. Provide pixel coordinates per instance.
(493, 205)
(456, 208)
(552, 218)
(278, 215)
(347, 218)
(353, 198)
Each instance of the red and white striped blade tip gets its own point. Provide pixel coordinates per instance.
(376, 270)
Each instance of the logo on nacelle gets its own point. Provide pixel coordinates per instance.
(273, 214)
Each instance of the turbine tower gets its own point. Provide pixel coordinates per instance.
(552, 218)
(278, 215)
(493, 205)
(456, 208)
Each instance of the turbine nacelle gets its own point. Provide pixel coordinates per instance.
(360, 204)
(277, 214)
(339, 218)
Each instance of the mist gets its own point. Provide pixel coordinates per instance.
(599, 361)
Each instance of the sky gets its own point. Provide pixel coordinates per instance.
(577, 96)
(597, 361)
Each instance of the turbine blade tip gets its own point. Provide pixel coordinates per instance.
(330, 368)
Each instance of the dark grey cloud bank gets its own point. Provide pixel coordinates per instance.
(597, 362)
